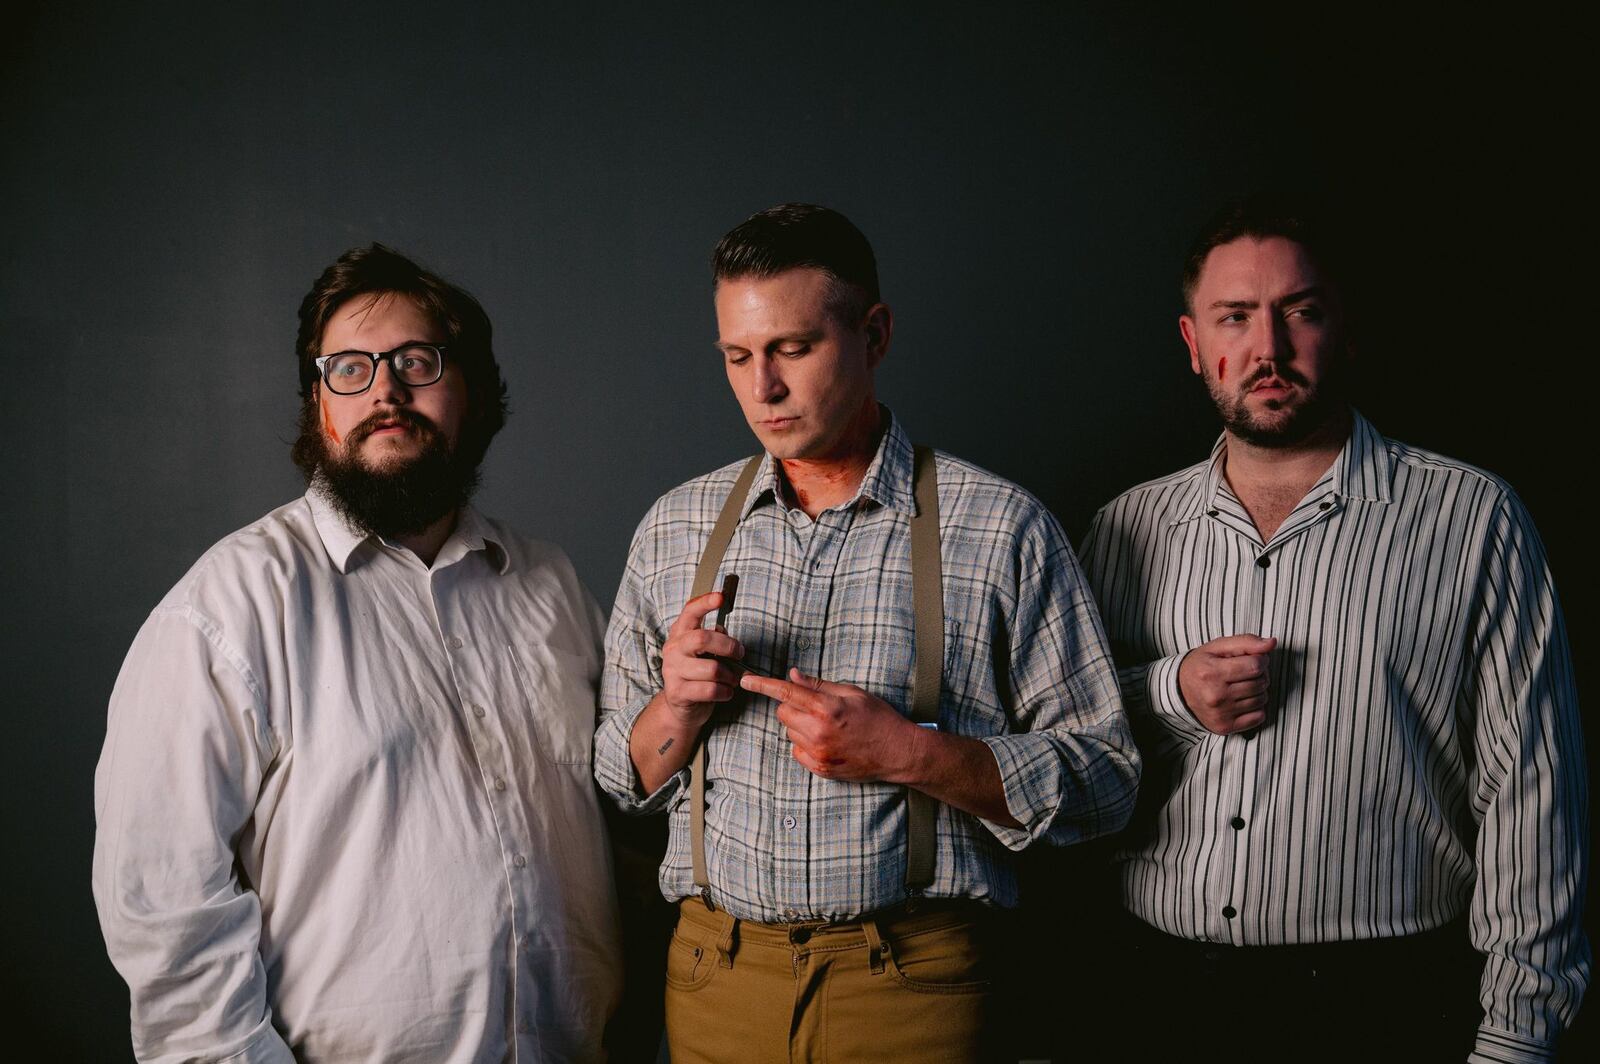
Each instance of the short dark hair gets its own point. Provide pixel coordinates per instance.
(376, 270)
(1262, 215)
(800, 235)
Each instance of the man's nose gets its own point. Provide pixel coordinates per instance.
(1272, 341)
(766, 384)
(386, 387)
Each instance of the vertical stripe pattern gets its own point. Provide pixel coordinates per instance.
(1422, 756)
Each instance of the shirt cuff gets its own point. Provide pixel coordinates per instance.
(1162, 699)
(614, 770)
(1496, 1046)
(264, 1046)
(1024, 760)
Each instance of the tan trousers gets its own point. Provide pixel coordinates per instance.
(902, 987)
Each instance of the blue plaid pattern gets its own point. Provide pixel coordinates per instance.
(1026, 669)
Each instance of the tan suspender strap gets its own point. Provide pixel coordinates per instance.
(927, 598)
(704, 579)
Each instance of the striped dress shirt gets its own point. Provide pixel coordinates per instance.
(1422, 756)
(1026, 670)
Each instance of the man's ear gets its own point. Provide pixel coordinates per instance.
(1186, 326)
(879, 327)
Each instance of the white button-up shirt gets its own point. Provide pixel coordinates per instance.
(344, 806)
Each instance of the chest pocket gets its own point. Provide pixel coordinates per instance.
(560, 699)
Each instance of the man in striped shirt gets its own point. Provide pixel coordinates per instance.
(806, 931)
(1348, 671)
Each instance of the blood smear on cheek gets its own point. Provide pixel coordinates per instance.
(327, 425)
(1222, 371)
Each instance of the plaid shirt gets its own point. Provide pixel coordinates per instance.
(1026, 669)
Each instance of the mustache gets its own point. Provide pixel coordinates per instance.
(1267, 372)
(415, 422)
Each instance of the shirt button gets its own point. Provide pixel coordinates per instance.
(1237, 823)
(1229, 912)
(802, 643)
(1325, 506)
(477, 711)
(499, 784)
(1264, 561)
(790, 914)
(520, 861)
(1211, 513)
(455, 642)
(788, 821)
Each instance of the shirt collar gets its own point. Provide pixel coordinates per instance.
(472, 533)
(1361, 471)
(888, 480)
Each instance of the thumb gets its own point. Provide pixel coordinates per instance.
(1246, 643)
(811, 682)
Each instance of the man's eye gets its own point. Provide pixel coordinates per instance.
(794, 351)
(737, 358)
(1309, 312)
(347, 369)
(1236, 318)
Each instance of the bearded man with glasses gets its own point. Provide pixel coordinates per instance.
(344, 807)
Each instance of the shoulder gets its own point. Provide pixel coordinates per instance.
(1163, 495)
(251, 562)
(691, 505)
(1418, 468)
(535, 559)
(974, 500)
(694, 498)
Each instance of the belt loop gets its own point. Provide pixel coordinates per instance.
(725, 940)
(877, 948)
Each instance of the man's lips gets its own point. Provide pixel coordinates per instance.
(390, 426)
(1270, 386)
(777, 422)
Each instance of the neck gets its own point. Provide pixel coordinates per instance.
(1271, 481)
(1282, 466)
(427, 543)
(828, 480)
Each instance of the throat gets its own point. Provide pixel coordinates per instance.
(815, 484)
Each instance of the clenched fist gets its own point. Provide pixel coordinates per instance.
(1224, 682)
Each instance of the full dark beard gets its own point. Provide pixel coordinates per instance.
(398, 500)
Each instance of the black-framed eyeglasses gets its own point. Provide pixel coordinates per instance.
(352, 372)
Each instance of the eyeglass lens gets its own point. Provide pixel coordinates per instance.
(352, 372)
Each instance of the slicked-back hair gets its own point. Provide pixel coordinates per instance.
(378, 271)
(803, 235)
(1263, 215)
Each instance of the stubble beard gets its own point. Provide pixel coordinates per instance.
(1282, 424)
(397, 498)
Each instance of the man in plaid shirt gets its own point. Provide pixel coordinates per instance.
(806, 938)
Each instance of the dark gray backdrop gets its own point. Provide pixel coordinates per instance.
(173, 180)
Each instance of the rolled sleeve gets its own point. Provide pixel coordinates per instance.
(1069, 767)
(613, 765)
(632, 677)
